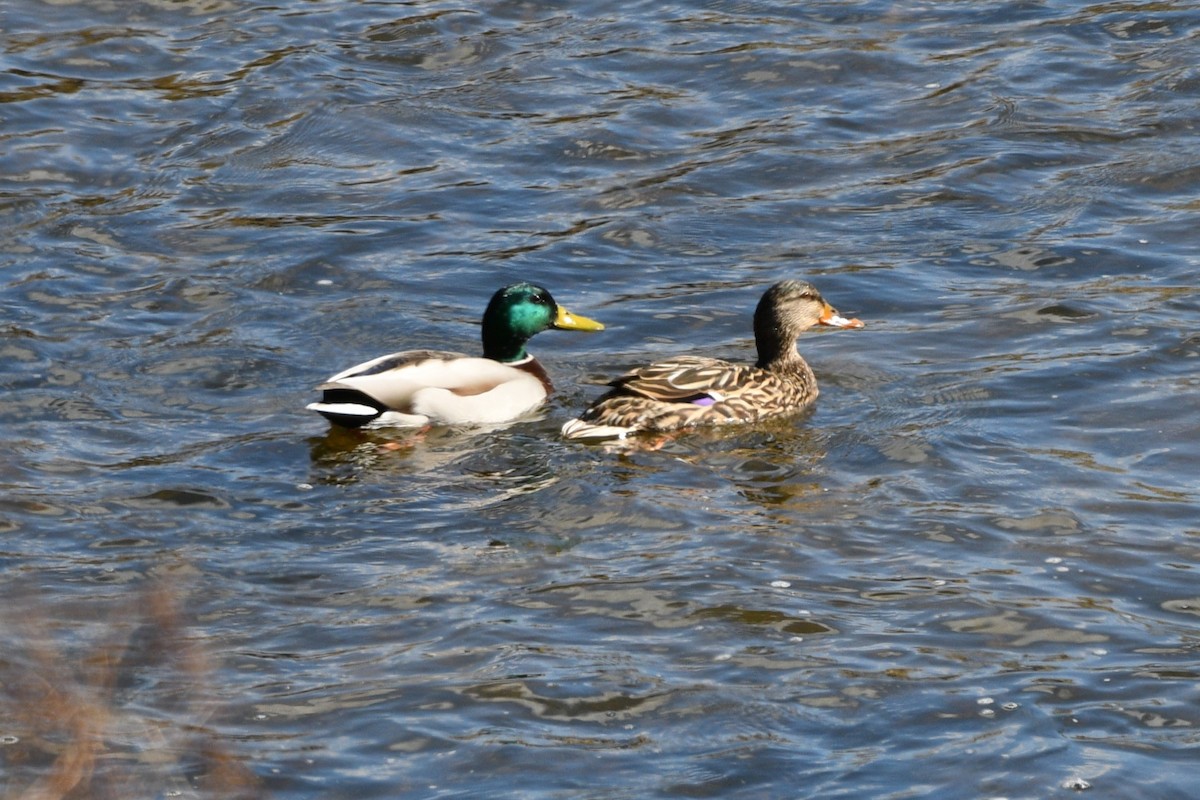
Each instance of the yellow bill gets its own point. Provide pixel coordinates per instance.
(567, 321)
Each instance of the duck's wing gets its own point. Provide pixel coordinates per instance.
(678, 393)
(686, 379)
(393, 362)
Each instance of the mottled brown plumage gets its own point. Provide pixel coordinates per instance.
(690, 391)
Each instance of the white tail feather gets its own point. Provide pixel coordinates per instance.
(344, 409)
(578, 429)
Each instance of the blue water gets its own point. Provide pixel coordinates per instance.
(968, 572)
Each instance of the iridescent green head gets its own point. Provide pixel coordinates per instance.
(520, 311)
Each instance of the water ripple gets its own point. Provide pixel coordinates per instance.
(975, 550)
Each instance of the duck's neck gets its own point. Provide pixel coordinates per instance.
(522, 360)
(787, 364)
(504, 345)
(535, 368)
(776, 348)
(794, 370)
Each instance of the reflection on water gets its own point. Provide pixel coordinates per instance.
(976, 552)
(112, 697)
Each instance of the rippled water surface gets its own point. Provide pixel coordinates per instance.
(968, 572)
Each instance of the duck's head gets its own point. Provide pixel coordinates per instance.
(520, 311)
(788, 309)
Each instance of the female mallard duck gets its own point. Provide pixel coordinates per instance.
(688, 391)
(429, 387)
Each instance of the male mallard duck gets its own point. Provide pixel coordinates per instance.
(419, 387)
(690, 391)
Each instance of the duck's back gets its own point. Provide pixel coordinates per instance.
(690, 391)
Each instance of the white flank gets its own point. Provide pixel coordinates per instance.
(518, 395)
